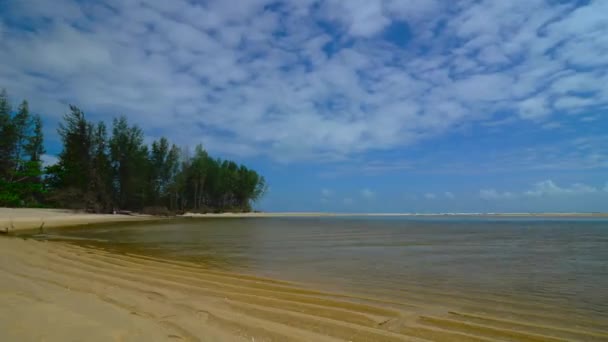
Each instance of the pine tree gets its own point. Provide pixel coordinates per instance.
(21, 147)
(7, 141)
(35, 142)
(73, 173)
(21, 126)
(101, 173)
(129, 158)
(98, 173)
(34, 149)
(163, 167)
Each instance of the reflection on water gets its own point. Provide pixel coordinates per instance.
(558, 261)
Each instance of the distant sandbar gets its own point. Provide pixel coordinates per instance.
(20, 219)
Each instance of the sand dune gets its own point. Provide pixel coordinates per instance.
(57, 291)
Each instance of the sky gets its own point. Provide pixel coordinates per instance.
(348, 106)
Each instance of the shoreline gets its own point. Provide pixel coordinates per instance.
(19, 220)
(323, 214)
(74, 292)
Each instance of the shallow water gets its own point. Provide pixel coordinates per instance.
(558, 262)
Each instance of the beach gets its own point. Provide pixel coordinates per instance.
(56, 291)
(14, 220)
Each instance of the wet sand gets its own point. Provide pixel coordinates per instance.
(58, 291)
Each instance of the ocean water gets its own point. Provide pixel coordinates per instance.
(562, 262)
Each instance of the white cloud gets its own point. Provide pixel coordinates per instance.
(543, 188)
(492, 194)
(367, 194)
(573, 102)
(591, 118)
(551, 125)
(326, 192)
(220, 73)
(606, 187)
(533, 108)
(326, 195)
(549, 188)
(348, 200)
(362, 17)
(483, 87)
(449, 195)
(430, 195)
(48, 159)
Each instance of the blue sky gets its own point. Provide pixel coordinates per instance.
(376, 105)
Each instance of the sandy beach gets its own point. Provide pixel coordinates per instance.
(57, 291)
(20, 219)
(54, 291)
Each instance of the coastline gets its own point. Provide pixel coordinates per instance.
(330, 214)
(71, 292)
(75, 292)
(19, 220)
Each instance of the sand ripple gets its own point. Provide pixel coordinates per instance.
(58, 291)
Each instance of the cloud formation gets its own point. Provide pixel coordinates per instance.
(304, 79)
(326, 193)
(549, 188)
(541, 189)
(492, 194)
(368, 194)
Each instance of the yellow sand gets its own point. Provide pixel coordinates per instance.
(55, 291)
(15, 220)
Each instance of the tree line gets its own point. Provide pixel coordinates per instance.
(102, 171)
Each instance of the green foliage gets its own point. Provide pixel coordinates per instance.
(101, 170)
(34, 147)
(20, 151)
(129, 158)
(164, 165)
(7, 137)
(21, 125)
(101, 173)
(75, 159)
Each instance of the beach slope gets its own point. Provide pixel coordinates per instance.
(20, 219)
(55, 291)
